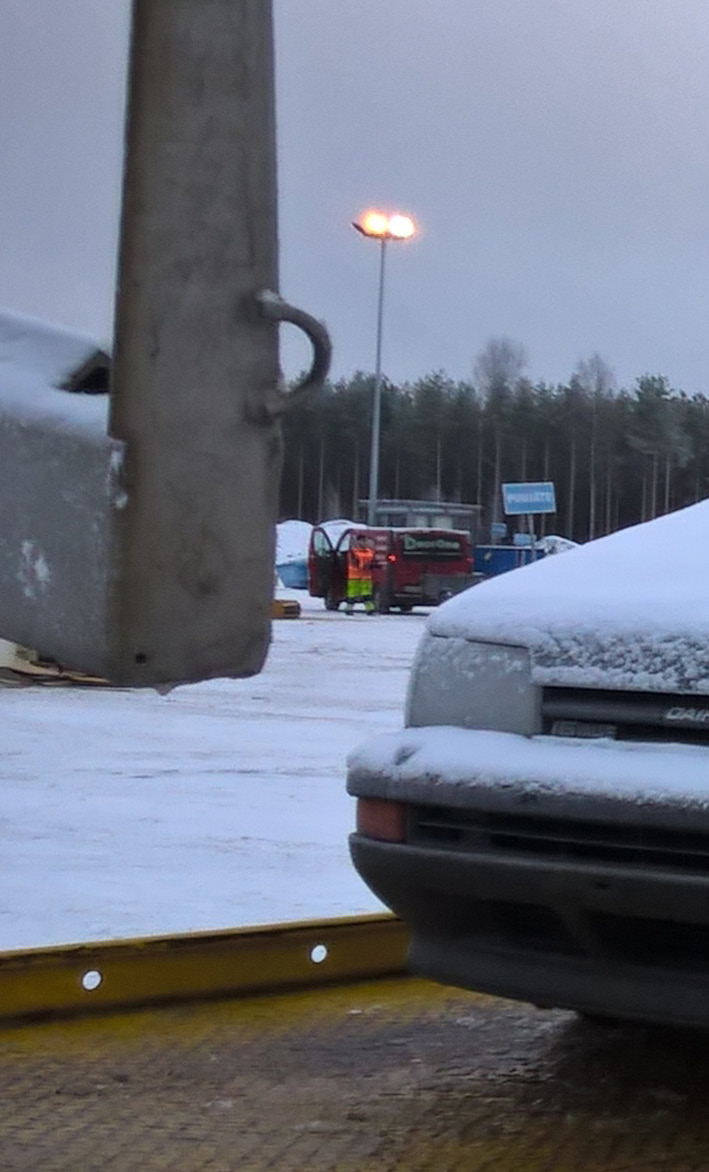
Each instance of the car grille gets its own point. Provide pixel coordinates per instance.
(626, 716)
(558, 839)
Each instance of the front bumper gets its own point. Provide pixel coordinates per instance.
(586, 896)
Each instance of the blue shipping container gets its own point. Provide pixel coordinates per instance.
(498, 559)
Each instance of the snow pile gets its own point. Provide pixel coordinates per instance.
(336, 528)
(293, 538)
(629, 611)
(35, 360)
(553, 544)
(48, 353)
(292, 541)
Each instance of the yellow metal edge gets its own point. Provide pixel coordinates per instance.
(85, 978)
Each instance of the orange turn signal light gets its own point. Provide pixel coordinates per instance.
(377, 818)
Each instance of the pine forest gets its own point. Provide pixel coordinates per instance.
(616, 456)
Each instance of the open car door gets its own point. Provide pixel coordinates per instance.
(320, 563)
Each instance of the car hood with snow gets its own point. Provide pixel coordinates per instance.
(629, 611)
(608, 643)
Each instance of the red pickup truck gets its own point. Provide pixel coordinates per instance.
(410, 567)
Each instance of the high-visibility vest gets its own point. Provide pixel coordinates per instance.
(360, 562)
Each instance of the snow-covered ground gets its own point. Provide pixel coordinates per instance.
(221, 804)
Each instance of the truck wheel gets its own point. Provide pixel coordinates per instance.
(379, 598)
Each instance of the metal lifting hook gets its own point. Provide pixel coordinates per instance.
(273, 307)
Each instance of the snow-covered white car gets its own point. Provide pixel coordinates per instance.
(542, 821)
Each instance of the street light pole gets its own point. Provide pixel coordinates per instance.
(377, 398)
(382, 228)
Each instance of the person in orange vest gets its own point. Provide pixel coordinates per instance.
(359, 574)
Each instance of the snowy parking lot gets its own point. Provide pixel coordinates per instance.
(218, 805)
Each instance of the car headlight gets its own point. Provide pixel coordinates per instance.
(470, 684)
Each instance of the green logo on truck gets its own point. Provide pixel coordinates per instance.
(441, 546)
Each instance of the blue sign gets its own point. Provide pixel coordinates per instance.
(529, 498)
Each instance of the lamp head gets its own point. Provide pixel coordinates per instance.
(381, 226)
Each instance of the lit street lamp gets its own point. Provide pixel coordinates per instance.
(383, 228)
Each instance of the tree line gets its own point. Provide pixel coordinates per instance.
(616, 456)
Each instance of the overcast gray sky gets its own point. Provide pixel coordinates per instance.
(554, 152)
